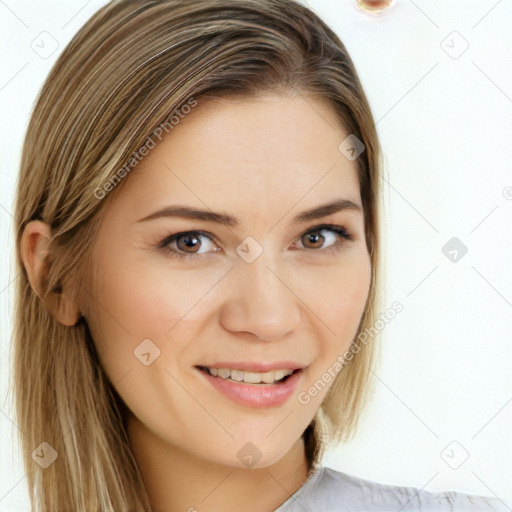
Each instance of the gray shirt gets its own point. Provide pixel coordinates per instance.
(327, 490)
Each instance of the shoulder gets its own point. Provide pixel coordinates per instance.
(328, 490)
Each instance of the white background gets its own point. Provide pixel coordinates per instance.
(445, 122)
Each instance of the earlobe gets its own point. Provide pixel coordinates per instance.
(65, 310)
(34, 246)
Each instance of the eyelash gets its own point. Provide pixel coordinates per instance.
(173, 253)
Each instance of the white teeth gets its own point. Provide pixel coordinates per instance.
(267, 378)
(224, 373)
(237, 375)
(252, 377)
(279, 374)
(249, 377)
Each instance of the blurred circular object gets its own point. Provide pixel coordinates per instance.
(374, 5)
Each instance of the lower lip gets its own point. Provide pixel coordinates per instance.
(255, 395)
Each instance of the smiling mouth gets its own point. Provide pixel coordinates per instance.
(273, 377)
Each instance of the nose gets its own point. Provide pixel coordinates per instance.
(260, 301)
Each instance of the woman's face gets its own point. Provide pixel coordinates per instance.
(264, 292)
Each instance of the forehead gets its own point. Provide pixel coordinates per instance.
(252, 154)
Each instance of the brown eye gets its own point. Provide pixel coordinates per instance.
(314, 239)
(325, 237)
(188, 243)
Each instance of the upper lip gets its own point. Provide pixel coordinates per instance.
(254, 366)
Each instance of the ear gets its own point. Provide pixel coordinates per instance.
(34, 245)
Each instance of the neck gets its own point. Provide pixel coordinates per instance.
(178, 480)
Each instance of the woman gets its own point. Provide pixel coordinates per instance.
(197, 225)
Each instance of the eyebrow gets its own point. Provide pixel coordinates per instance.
(225, 219)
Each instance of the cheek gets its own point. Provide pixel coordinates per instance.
(339, 303)
(137, 315)
(340, 297)
(127, 310)
(136, 302)
(140, 301)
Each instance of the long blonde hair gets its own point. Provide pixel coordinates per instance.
(125, 72)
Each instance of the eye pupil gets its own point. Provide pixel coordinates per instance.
(190, 241)
(315, 238)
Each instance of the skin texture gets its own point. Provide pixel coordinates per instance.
(262, 160)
